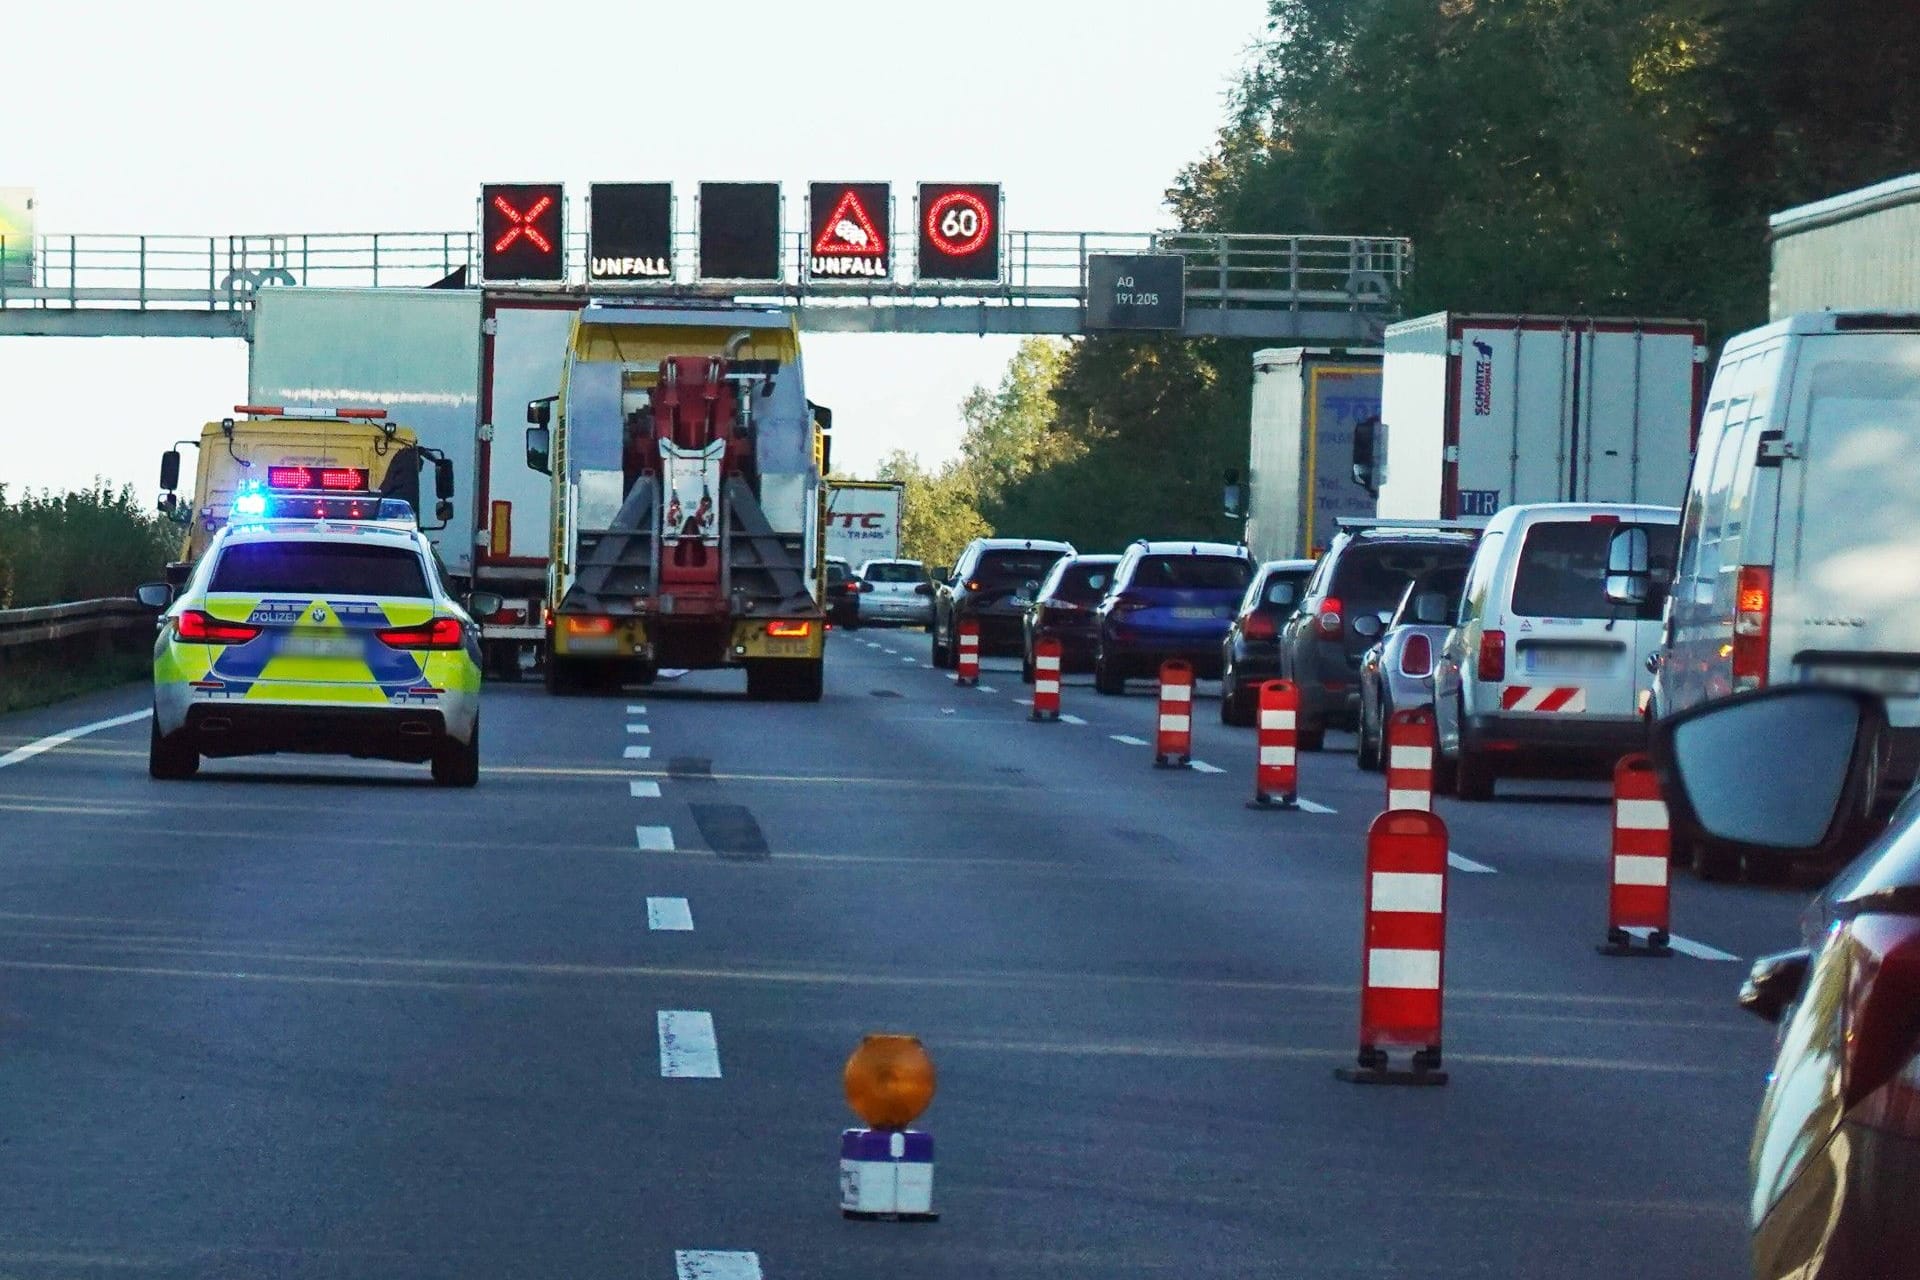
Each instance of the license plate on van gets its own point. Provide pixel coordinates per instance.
(1888, 682)
(1541, 661)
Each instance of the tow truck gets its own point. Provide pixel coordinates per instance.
(685, 461)
(350, 458)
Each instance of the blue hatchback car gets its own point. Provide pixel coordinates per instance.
(1168, 600)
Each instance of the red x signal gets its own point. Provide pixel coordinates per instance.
(523, 224)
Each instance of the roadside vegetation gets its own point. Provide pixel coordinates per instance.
(1600, 157)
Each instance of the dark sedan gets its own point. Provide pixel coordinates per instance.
(989, 586)
(1251, 652)
(1063, 609)
(1835, 1158)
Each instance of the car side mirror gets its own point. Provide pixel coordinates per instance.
(1629, 579)
(1369, 439)
(539, 440)
(154, 595)
(943, 574)
(170, 470)
(1280, 595)
(1775, 983)
(1030, 588)
(923, 589)
(1232, 496)
(1788, 769)
(1367, 626)
(484, 604)
(1430, 609)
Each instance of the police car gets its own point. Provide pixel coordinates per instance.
(318, 626)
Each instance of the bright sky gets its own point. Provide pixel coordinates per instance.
(230, 118)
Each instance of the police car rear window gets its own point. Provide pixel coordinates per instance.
(319, 568)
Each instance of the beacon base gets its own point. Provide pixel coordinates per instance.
(887, 1175)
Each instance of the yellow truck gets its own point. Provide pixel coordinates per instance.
(341, 461)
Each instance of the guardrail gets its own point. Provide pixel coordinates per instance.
(111, 622)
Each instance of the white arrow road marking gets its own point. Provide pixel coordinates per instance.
(61, 739)
(1688, 947)
(1128, 739)
(688, 1047)
(669, 915)
(643, 790)
(1459, 863)
(654, 839)
(715, 1264)
(1201, 766)
(637, 753)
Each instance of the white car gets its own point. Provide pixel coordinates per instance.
(894, 593)
(1543, 667)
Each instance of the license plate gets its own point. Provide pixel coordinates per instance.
(785, 649)
(1888, 682)
(1019, 602)
(1568, 662)
(1193, 613)
(320, 647)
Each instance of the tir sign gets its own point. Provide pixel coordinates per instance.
(849, 227)
(959, 231)
(522, 232)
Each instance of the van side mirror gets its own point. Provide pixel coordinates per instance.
(539, 439)
(1788, 769)
(170, 470)
(1369, 442)
(1430, 609)
(1232, 496)
(443, 478)
(1629, 579)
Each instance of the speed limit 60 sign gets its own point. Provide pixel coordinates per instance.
(959, 231)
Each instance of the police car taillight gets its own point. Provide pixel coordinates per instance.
(197, 627)
(441, 633)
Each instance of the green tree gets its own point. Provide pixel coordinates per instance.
(1012, 432)
(939, 512)
(86, 544)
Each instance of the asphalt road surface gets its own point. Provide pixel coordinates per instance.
(308, 1017)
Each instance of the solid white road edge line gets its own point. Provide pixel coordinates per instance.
(1688, 947)
(1459, 863)
(654, 839)
(43, 745)
(669, 915)
(715, 1264)
(688, 1048)
(643, 790)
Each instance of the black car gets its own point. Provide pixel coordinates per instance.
(989, 585)
(1789, 773)
(1063, 609)
(843, 595)
(1251, 652)
(1348, 600)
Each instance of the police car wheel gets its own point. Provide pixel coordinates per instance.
(169, 758)
(457, 764)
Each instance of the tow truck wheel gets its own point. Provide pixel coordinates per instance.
(457, 764)
(561, 679)
(806, 681)
(168, 758)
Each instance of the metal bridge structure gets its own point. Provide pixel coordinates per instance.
(1290, 288)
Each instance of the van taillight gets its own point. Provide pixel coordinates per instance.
(1752, 626)
(1416, 658)
(1329, 620)
(1493, 656)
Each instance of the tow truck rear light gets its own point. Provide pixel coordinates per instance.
(1752, 626)
(1493, 656)
(1258, 626)
(789, 630)
(590, 626)
(441, 633)
(197, 627)
(1416, 656)
(1328, 620)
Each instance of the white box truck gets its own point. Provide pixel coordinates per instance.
(1307, 403)
(450, 364)
(1858, 252)
(862, 520)
(1479, 412)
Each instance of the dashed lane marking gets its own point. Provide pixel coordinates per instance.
(654, 839)
(637, 753)
(1201, 766)
(636, 708)
(669, 915)
(1459, 863)
(641, 790)
(986, 688)
(688, 1047)
(715, 1264)
(1688, 947)
(639, 728)
(1128, 739)
(1311, 807)
(1067, 719)
(43, 745)
(909, 661)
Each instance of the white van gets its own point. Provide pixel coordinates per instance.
(1542, 669)
(1800, 547)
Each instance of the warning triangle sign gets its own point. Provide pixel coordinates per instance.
(848, 232)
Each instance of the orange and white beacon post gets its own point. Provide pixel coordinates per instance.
(886, 1169)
